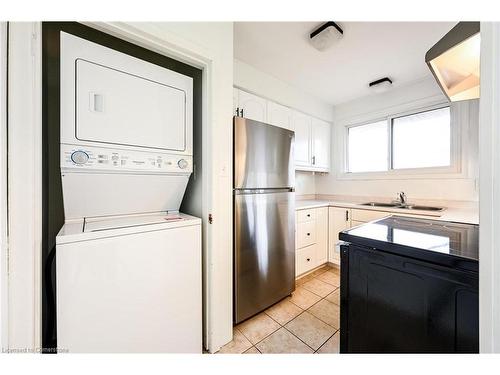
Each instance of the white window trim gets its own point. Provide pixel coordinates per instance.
(453, 171)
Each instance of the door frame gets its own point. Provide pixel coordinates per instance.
(489, 190)
(4, 333)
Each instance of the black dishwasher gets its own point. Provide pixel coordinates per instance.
(410, 286)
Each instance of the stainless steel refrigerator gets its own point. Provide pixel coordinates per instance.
(264, 216)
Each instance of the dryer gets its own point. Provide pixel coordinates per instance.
(128, 263)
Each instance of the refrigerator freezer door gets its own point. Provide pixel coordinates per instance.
(263, 155)
(264, 250)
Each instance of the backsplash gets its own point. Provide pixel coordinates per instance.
(304, 184)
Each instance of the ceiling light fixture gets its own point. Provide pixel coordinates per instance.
(454, 61)
(380, 85)
(325, 35)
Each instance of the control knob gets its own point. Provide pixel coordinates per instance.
(79, 157)
(182, 163)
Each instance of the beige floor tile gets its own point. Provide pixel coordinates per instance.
(335, 269)
(334, 297)
(332, 345)
(303, 298)
(327, 312)
(239, 344)
(319, 271)
(303, 279)
(282, 341)
(310, 330)
(252, 350)
(258, 327)
(330, 278)
(283, 311)
(319, 287)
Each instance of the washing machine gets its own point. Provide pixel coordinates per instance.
(128, 263)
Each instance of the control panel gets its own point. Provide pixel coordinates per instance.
(107, 159)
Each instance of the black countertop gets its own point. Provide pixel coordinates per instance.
(449, 244)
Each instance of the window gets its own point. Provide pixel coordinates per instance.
(368, 147)
(421, 140)
(417, 140)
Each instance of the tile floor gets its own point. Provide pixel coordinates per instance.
(306, 322)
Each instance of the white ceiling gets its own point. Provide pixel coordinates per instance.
(367, 51)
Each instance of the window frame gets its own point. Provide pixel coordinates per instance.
(454, 170)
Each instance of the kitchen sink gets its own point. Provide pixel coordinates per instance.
(378, 204)
(422, 208)
(403, 206)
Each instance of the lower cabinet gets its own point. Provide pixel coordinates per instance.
(339, 219)
(311, 239)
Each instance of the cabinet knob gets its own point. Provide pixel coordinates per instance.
(308, 215)
(308, 234)
(308, 259)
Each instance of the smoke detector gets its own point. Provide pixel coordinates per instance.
(380, 85)
(325, 35)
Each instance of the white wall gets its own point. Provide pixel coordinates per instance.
(304, 183)
(419, 94)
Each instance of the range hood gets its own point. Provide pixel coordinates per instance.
(454, 61)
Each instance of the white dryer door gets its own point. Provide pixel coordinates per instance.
(118, 107)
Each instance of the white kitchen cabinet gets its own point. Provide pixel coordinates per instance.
(321, 145)
(302, 125)
(312, 136)
(339, 219)
(312, 143)
(253, 106)
(365, 216)
(321, 235)
(279, 115)
(311, 239)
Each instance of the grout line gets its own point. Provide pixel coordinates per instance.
(317, 317)
(298, 338)
(326, 342)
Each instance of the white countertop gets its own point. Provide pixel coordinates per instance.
(467, 215)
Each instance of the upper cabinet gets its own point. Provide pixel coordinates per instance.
(321, 145)
(312, 136)
(302, 125)
(252, 107)
(279, 115)
(312, 143)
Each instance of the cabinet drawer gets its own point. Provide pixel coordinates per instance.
(367, 215)
(305, 215)
(304, 259)
(306, 234)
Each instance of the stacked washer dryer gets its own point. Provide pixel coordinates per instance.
(128, 263)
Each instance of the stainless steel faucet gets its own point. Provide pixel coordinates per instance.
(402, 198)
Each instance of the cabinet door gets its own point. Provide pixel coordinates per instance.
(338, 220)
(254, 107)
(302, 125)
(321, 235)
(321, 145)
(279, 115)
